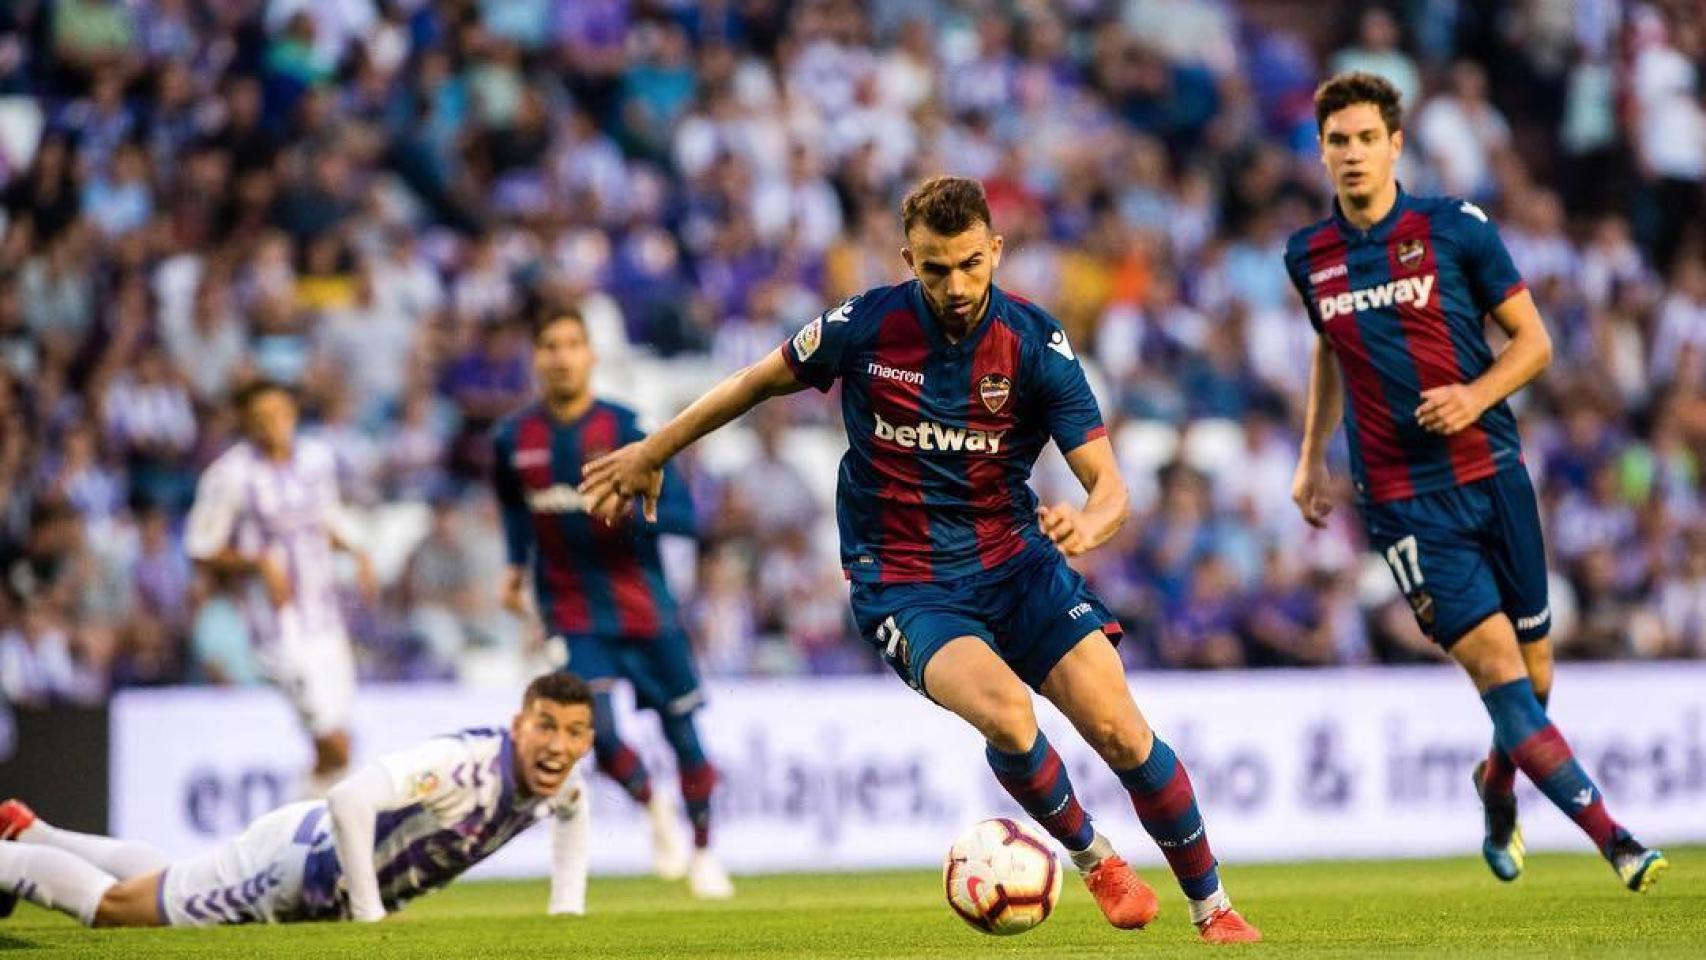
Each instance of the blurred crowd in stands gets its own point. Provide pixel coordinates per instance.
(368, 199)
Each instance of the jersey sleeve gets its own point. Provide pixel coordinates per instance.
(512, 500)
(1493, 277)
(818, 351)
(213, 517)
(1070, 412)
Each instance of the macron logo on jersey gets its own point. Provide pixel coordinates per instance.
(913, 377)
(557, 498)
(930, 435)
(1416, 290)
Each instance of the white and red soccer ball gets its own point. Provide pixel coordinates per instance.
(1002, 877)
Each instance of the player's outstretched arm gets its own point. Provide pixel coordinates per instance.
(636, 470)
(1076, 531)
(1454, 407)
(571, 836)
(355, 804)
(1321, 418)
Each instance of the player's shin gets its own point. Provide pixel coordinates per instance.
(1167, 806)
(1522, 730)
(1037, 780)
(53, 879)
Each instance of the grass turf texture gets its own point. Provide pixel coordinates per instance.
(1564, 906)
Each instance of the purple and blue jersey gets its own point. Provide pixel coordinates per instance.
(1403, 305)
(591, 578)
(942, 436)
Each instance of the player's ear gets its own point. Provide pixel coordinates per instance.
(1397, 143)
(996, 242)
(906, 254)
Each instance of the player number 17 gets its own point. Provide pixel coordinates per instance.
(1405, 563)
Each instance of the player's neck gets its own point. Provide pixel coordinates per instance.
(569, 409)
(1373, 210)
(276, 454)
(958, 334)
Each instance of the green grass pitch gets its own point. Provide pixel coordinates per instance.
(1565, 906)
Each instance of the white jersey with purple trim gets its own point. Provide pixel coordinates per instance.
(286, 511)
(453, 803)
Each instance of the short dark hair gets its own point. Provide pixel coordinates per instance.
(947, 205)
(249, 392)
(559, 686)
(545, 319)
(1354, 87)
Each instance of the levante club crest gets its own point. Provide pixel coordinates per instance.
(1411, 252)
(993, 389)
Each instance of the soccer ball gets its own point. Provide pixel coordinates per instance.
(1001, 877)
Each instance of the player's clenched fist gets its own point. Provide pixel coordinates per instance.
(1066, 526)
(608, 482)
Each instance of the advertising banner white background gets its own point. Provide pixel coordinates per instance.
(864, 773)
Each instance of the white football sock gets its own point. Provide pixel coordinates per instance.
(121, 858)
(1092, 856)
(54, 879)
(1202, 909)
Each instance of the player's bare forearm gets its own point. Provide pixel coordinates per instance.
(1325, 407)
(1455, 407)
(1074, 530)
(738, 393)
(637, 469)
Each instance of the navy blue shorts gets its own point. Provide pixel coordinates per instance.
(1464, 554)
(659, 668)
(1030, 610)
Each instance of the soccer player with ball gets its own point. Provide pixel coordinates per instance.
(406, 824)
(1397, 287)
(950, 387)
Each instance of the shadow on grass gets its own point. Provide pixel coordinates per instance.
(13, 943)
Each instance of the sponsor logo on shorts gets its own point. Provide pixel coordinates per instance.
(1079, 610)
(1529, 623)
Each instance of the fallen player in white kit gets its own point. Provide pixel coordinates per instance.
(403, 825)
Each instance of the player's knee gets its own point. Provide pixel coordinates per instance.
(130, 903)
(1123, 742)
(1005, 719)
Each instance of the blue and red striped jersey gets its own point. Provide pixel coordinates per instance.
(589, 577)
(942, 436)
(1404, 306)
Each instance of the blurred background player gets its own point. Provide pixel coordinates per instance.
(601, 587)
(950, 390)
(268, 514)
(1397, 287)
(405, 824)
